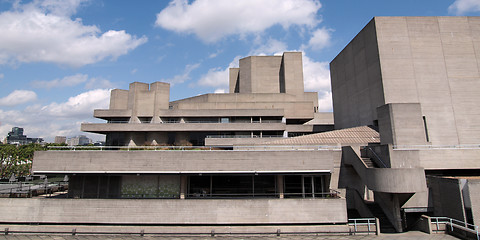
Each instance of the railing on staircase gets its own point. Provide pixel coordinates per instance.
(377, 158)
(454, 223)
(364, 225)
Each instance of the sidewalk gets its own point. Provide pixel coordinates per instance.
(396, 236)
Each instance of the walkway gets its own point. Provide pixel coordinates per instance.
(397, 236)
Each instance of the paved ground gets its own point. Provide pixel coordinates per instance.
(398, 236)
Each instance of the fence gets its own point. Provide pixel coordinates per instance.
(364, 225)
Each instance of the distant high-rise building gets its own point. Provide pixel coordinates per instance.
(16, 137)
(80, 140)
(60, 139)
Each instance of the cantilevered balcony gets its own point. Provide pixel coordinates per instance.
(184, 127)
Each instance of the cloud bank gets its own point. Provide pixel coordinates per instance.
(43, 31)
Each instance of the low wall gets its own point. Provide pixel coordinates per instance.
(173, 211)
(65, 162)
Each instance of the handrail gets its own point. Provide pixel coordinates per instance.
(356, 222)
(427, 147)
(457, 223)
(376, 156)
(196, 148)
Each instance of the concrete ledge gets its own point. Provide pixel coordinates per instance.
(170, 161)
(172, 127)
(337, 229)
(388, 180)
(173, 211)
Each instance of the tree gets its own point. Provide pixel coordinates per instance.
(17, 159)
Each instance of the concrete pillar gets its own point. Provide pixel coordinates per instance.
(183, 186)
(280, 186)
(136, 139)
(161, 99)
(233, 80)
(133, 94)
(157, 138)
(182, 139)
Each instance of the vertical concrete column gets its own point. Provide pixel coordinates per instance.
(280, 186)
(233, 80)
(157, 138)
(293, 72)
(183, 186)
(161, 100)
(182, 139)
(136, 139)
(133, 95)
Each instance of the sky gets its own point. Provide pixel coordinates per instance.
(59, 59)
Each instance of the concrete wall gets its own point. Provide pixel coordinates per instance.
(177, 212)
(184, 127)
(356, 77)
(428, 60)
(401, 124)
(474, 196)
(447, 197)
(182, 161)
(444, 158)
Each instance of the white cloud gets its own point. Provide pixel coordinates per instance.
(220, 90)
(270, 47)
(99, 83)
(62, 119)
(18, 97)
(325, 103)
(67, 81)
(43, 31)
(460, 7)
(80, 106)
(316, 77)
(320, 39)
(2, 76)
(185, 76)
(212, 20)
(218, 77)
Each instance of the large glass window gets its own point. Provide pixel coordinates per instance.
(231, 186)
(306, 186)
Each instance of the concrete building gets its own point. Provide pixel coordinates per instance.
(224, 180)
(404, 143)
(80, 140)
(60, 139)
(16, 137)
(416, 80)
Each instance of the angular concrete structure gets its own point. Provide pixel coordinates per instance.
(224, 179)
(416, 80)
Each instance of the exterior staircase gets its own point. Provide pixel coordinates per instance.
(369, 163)
(385, 225)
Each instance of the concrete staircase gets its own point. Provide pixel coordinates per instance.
(385, 225)
(369, 163)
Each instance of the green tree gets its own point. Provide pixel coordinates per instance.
(18, 159)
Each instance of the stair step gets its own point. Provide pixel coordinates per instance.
(369, 163)
(385, 225)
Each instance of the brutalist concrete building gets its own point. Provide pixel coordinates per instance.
(416, 80)
(405, 142)
(228, 177)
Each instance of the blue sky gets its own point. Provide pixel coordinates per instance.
(60, 58)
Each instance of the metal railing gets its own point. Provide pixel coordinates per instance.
(22, 189)
(244, 136)
(358, 223)
(330, 194)
(377, 158)
(196, 148)
(450, 222)
(433, 147)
